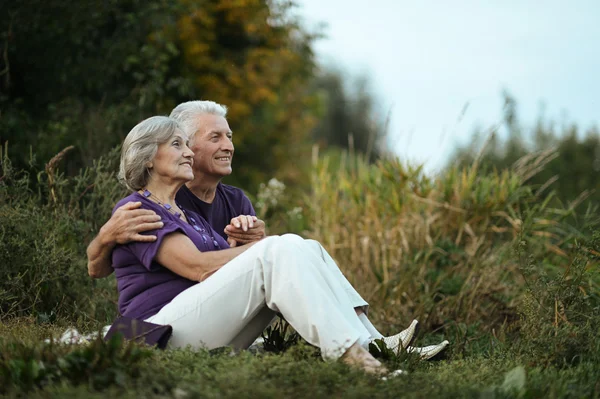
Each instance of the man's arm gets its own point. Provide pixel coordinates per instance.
(125, 225)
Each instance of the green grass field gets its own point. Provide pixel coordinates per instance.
(483, 259)
(117, 369)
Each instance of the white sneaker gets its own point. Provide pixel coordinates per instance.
(427, 352)
(403, 339)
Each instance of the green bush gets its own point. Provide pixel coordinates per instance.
(99, 364)
(46, 222)
(560, 311)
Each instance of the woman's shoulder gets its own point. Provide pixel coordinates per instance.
(146, 204)
(133, 197)
(195, 217)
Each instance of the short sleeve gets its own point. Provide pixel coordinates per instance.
(145, 252)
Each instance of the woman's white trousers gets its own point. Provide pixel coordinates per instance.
(285, 274)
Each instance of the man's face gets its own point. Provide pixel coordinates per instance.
(212, 145)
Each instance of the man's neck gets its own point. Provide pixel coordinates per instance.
(204, 189)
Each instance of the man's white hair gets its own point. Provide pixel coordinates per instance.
(187, 113)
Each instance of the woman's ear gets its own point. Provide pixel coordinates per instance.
(149, 165)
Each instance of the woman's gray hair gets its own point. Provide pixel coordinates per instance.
(139, 148)
(187, 113)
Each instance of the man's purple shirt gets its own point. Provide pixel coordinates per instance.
(229, 202)
(144, 285)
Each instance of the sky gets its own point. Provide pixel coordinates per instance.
(440, 67)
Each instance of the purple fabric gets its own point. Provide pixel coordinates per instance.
(144, 285)
(140, 331)
(229, 202)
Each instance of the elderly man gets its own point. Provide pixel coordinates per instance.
(226, 208)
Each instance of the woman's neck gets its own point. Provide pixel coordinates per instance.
(164, 192)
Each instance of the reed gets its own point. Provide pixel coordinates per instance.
(440, 248)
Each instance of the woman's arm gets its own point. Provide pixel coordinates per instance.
(179, 254)
(125, 225)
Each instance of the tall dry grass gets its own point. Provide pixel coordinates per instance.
(440, 248)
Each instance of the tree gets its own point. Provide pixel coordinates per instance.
(254, 57)
(83, 73)
(349, 117)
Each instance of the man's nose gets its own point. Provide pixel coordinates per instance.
(227, 145)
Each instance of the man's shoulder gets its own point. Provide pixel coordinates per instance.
(231, 191)
(236, 199)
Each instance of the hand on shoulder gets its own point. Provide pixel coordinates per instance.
(128, 221)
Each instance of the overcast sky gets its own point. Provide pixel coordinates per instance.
(428, 59)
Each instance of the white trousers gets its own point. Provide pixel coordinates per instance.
(285, 274)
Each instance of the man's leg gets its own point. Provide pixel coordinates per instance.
(402, 339)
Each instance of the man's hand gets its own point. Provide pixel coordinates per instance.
(124, 226)
(128, 222)
(245, 229)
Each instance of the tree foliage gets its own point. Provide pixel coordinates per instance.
(349, 115)
(84, 73)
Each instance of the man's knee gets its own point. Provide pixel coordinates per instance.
(282, 245)
(313, 244)
(293, 238)
(290, 251)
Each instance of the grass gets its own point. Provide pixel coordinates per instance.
(297, 373)
(480, 257)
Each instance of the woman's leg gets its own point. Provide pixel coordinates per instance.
(215, 313)
(277, 274)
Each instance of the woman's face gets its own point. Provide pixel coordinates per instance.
(173, 160)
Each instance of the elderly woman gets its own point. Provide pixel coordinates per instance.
(214, 295)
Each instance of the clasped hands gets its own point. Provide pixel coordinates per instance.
(244, 229)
